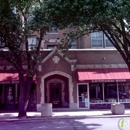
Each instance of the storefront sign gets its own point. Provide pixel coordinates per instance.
(9, 82)
(111, 80)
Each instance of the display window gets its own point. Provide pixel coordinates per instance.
(124, 92)
(96, 92)
(110, 92)
(10, 93)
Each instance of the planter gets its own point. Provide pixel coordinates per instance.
(117, 109)
(46, 109)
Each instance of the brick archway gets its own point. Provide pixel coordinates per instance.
(42, 86)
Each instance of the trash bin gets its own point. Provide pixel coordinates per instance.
(46, 109)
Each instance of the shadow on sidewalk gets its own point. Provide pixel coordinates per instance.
(54, 124)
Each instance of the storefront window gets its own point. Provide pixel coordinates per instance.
(96, 92)
(110, 92)
(1, 93)
(124, 92)
(83, 96)
(10, 95)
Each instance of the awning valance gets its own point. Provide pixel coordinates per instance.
(104, 75)
(10, 78)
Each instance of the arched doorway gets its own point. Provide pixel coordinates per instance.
(57, 92)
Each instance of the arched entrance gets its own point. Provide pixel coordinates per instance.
(48, 78)
(57, 93)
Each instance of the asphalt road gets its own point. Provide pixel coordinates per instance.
(68, 124)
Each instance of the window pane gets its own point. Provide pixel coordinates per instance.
(96, 43)
(97, 39)
(97, 35)
(83, 96)
(108, 43)
(32, 42)
(52, 30)
(96, 93)
(73, 44)
(124, 93)
(110, 92)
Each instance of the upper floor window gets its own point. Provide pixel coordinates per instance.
(32, 42)
(98, 39)
(73, 44)
(3, 46)
(53, 30)
(51, 46)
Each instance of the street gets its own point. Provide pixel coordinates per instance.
(67, 124)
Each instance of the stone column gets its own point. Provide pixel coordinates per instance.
(72, 105)
(42, 96)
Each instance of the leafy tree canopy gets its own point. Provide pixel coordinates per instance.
(19, 20)
(110, 16)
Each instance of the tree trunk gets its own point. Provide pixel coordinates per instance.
(25, 86)
(128, 64)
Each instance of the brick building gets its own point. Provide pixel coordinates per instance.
(91, 75)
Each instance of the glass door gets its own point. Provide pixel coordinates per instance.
(83, 96)
(55, 94)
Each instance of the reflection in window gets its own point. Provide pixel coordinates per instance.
(110, 92)
(124, 92)
(10, 98)
(53, 30)
(83, 96)
(96, 93)
(99, 39)
(73, 44)
(32, 42)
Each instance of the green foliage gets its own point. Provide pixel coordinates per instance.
(19, 19)
(110, 16)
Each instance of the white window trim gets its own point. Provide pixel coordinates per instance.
(78, 95)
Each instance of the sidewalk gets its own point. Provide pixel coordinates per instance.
(12, 116)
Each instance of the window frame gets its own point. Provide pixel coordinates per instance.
(74, 44)
(34, 44)
(103, 39)
(51, 32)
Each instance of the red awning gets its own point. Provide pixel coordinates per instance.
(104, 75)
(10, 77)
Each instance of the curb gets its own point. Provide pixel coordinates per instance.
(15, 119)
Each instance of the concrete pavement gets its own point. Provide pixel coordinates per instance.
(12, 116)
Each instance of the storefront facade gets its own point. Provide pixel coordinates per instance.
(80, 80)
(104, 87)
(9, 92)
(102, 95)
(72, 83)
(9, 96)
